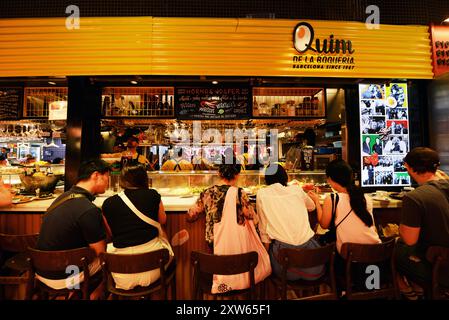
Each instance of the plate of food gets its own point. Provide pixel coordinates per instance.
(45, 197)
(17, 199)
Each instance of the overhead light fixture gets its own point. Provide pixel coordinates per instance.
(133, 82)
(52, 83)
(214, 82)
(446, 21)
(52, 144)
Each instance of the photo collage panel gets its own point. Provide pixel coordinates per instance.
(384, 134)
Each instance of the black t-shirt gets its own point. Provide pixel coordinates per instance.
(74, 224)
(127, 228)
(427, 207)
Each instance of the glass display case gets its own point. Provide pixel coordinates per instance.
(188, 183)
(27, 178)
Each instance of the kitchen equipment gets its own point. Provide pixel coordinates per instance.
(45, 183)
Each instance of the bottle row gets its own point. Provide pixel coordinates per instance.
(267, 106)
(138, 105)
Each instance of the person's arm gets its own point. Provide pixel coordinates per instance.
(262, 223)
(410, 226)
(324, 214)
(247, 208)
(161, 215)
(93, 229)
(409, 235)
(5, 196)
(197, 209)
(108, 230)
(98, 247)
(310, 204)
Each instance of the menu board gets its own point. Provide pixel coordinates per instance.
(212, 103)
(384, 134)
(10, 101)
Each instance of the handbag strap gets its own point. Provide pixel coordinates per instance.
(60, 201)
(334, 210)
(335, 198)
(138, 213)
(343, 219)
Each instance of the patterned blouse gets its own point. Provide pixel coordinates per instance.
(211, 202)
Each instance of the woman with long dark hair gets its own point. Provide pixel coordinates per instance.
(354, 211)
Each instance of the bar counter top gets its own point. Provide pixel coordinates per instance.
(171, 204)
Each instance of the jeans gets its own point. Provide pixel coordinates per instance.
(293, 274)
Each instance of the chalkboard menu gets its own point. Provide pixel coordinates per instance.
(10, 102)
(212, 103)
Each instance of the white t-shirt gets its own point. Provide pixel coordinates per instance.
(352, 229)
(283, 213)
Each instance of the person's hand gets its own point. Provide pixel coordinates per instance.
(314, 196)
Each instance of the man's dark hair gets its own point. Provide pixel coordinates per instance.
(276, 174)
(423, 160)
(88, 167)
(310, 136)
(57, 160)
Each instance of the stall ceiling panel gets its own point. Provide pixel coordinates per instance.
(205, 46)
(45, 47)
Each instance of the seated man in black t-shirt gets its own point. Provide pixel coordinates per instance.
(424, 222)
(72, 223)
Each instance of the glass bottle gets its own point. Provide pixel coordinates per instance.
(255, 108)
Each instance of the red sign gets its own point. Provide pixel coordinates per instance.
(440, 49)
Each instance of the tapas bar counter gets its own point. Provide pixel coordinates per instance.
(26, 218)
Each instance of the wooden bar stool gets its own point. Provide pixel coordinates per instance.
(13, 269)
(136, 263)
(307, 258)
(45, 262)
(371, 254)
(206, 265)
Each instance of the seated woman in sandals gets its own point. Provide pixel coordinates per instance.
(133, 218)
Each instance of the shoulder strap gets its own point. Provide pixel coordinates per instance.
(343, 219)
(334, 198)
(62, 200)
(138, 213)
(239, 196)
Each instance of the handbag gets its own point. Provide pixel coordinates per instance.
(331, 235)
(232, 238)
(163, 239)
